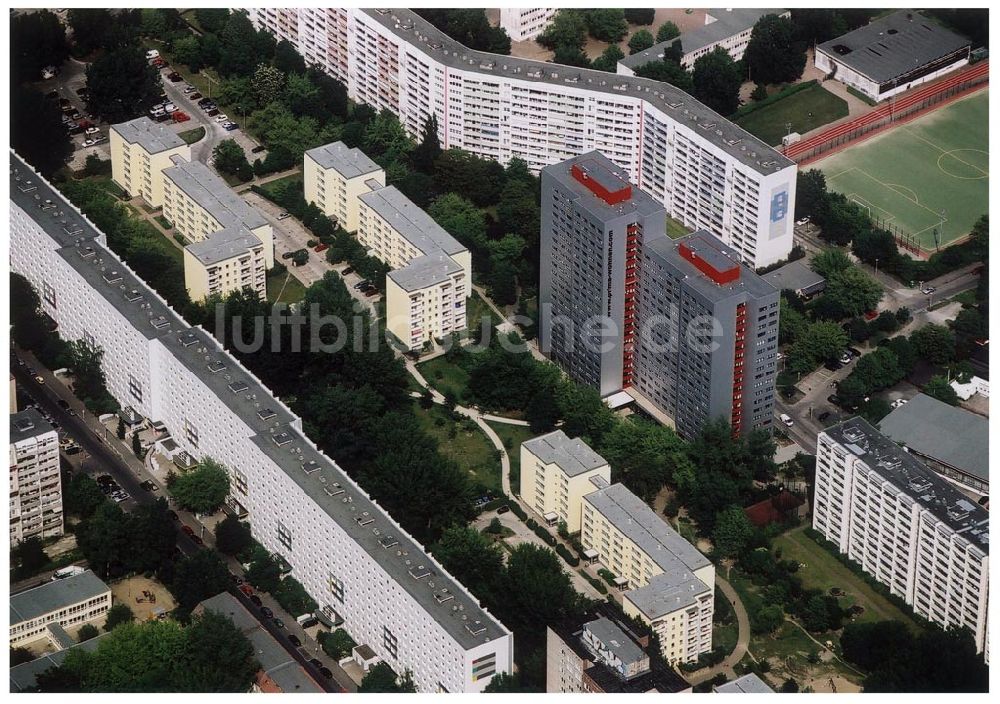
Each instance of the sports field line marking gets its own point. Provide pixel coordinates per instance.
(845, 171)
(895, 186)
(887, 186)
(930, 227)
(948, 151)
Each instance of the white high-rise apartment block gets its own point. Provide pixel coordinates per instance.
(36, 509)
(708, 173)
(523, 23)
(906, 526)
(345, 549)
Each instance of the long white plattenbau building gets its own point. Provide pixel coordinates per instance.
(708, 173)
(905, 525)
(347, 551)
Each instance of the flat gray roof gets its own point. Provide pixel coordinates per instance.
(272, 656)
(633, 517)
(913, 478)
(711, 249)
(85, 251)
(615, 639)
(674, 589)
(213, 194)
(950, 435)
(425, 271)
(58, 634)
(25, 675)
(572, 455)
(747, 684)
(55, 595)
(154, 137)
(28, 423)
(229, 242)
(640, 202)
(728, 22)
(348, 162)
(893, 46)
(674, 102)
(796, 276)
(419, 228)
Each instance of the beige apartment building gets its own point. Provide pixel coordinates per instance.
(140, 150)
(229, 260)
(555, 474)
(334, 176)
(670, 584)
(425, 299)
(36, 506)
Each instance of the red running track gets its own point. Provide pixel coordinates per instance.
(908, 100)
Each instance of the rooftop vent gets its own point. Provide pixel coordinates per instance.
(419, 572)
(388, 541)
(443, 596)
(281, 439)
(475, 627)
(113, 276)
(266, 414)
(159, 322)
(335, 489)
(187, 338)
(238, 387)
(132, 295)
(216, 366)
(365, 519)
(310, 466)
(86, 252)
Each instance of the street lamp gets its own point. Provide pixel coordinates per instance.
(876, 267)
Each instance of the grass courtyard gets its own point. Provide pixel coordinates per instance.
(512, 436)
(463, 442)
(804, 110)
(928, 174)
(284, 288)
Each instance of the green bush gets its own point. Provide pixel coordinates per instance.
(518, 511)
(565, 554)
(292, 597)
(544, 535)
(608, 576)
(595, 583)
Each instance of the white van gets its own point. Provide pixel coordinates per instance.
(152, 54)
(65, 572)
(786, 419)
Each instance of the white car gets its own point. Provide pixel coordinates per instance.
(282, 215)
(846, 358)
(93, 130)
(803, 221)
(898, 402)
(786, 419)
(169, 107)
(928, 290)
(222, 118)
(189, 89)
(152, 54)
(89, 142)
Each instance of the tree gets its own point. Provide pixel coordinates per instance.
(90, 28)
(202, 489)
(37, 132)
(429, 148)
(153, 536)
(607, 24)
(791, 323)
(717, 81)
(733, 531)
(878, 370)
(463, 220)
(875, 247)
(818, 343)
(810, 194)
(667, 71)
(939, 388)
(667, 31)
(570, 56)
(773, 55)
(338, 644)
(232, 536)
(385, 139)
(104, 539)
(82, 496)
(212, 19)
(935, 343)
(905, 351)
(29, 554)
(242, 49)
(640, 16)
(287, 59)
(608, 60)
(122, 85)
(869, 645)
(874, 410)
(136, 445)
(86, 632)
(86, 362)
(843, 220)
(37, 40)
(789, 686)
(536, 590)
(117, 615)
(479, 180)
(518, 208)
(851, 392)
(217, 657)
(830, 262)
(767, 619)
(231, 159)
(267, 83)
(473, 559)
(381, 678)
(640, 41)
(542, 412)
(506, 683)
(854, 291)
(197, 577)
(567, 28)
(264, 572)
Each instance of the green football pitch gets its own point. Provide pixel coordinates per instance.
(931, 174)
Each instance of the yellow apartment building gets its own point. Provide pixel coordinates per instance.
(425, 299)
(228, 260)
(140, 150)
(334, 176)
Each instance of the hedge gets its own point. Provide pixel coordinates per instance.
(293, 598)
(595, 583)
(565, 554)
(608, 576)
(518, 511)
(495, 504)
(771, 99)
(545, 535)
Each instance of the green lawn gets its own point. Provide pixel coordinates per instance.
(446, 377)
(164, 223)
(512, 436)
(478, 310)
(284, 288)
(463, 442)
(168, 246)
(192, 136)
(676, 229)
(823, 571)
(806, 110)
(272, 187)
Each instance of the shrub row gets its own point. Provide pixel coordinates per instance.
(608, 575)
(518, 511)
(565, 554)
(545, 535)
(595, 583)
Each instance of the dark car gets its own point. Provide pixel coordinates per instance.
(258, 149)
(197, 540)
(294, 640)
(173, 515)
(237, 580)
(348, 270)
(325, 671)
(212, 112)
(503, 509)
(255, 600)
(315, 662)
(267, 612)
(188, 530)
(855, 351)
(279, 623)
(194, 96)
(823, 416)
(834, 399)
(174, 77)
(63, 403)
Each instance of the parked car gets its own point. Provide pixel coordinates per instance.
(152, 54)
(173, 515)
(174, 77)
(898, 402)
(846, 358)
(73, 450)
(348, 270)
(169, 107)
(76, 115)
(255, 600)
(181, 116)
(213, 112)
(89, 143)
(855, 351)
(282, 215)
(100, 139)
(247, 589)
(928, 290)
(197, 540)
(279, 623)
(294, 640)
(222, 118)
(267, 612)
(503, 509)
(92, 130)
(150, 486)
(321, 248)
(258, 149)
(188, 89)
(288, 255)
(204, 101)
(188, 530)
(230, 126)
(315, 662)
(371, 292)
(325, 671)
(63, 403)
(159, 63)
(803, 221)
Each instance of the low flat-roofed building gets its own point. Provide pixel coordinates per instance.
(279, 671)
(228, 260)
(796, 276)
(747, 684)
(36, 506)
(140, 150)
(669, 584)
(600, 653)
(952, 441)
(24, 677)
(555, 474)
(729, 28)
(71, 601)
(892, 54)
(333, 176)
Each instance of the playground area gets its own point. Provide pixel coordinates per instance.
(926, 180)
(147, 598)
